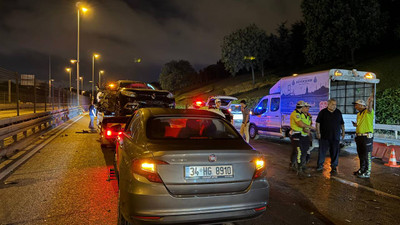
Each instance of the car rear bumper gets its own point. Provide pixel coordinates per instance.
(155, 201)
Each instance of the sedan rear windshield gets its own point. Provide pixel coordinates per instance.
(189, 128)
(138, 85)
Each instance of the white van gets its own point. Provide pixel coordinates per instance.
(271, 116)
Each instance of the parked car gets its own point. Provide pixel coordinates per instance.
(236, 110)
(187, 166)
(110, 127)
(226, 101)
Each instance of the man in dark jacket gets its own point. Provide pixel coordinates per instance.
(330, 126)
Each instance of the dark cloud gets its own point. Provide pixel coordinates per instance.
(121, 30)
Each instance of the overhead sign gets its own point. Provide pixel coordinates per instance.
(27, 80)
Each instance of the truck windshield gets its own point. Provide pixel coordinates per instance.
(194, 128)
(347, 92)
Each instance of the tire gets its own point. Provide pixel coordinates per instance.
(253, 133)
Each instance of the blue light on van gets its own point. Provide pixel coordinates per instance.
(259, 107)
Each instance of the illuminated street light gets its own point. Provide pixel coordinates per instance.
(137, 60)
(81, 9)
(69, 70)
(101, 72)
(95, 56)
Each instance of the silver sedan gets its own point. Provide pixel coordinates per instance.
(187, 166)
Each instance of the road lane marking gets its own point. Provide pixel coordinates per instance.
(356, 185)
(37, 148)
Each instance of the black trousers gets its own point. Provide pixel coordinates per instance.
(364, 150)
(300, 146)
(334, 146)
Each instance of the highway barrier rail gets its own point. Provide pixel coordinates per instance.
(17, 128)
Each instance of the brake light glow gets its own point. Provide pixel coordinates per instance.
(199, 103)
(260, 167)
(108, 133)
(148, 169)
(369, 76)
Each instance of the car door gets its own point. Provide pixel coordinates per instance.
(261, 111)
(274, 116)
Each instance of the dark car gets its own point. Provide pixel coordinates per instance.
(128, 96)
(110, 127)
(181, 166)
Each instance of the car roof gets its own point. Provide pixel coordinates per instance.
(223, 97)
(154, 112)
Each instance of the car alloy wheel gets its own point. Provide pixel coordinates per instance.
(252, 131)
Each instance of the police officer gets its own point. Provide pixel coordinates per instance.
(298, 152)
(306, 133)
(364, 135)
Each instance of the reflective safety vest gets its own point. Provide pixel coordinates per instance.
(295, 117)
(365, 122)
(307, 119)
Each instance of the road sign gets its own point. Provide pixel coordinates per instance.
(27, 79)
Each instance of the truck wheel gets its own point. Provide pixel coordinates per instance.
(253, 131)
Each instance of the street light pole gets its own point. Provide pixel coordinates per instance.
(100, 73)
(95, 56)
(69, 71)
(81, 79)
(83, 9)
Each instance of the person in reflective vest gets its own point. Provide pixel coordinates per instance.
(297, 158)
(306, 133)
(364, 135)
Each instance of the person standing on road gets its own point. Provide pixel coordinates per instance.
(330, 126)
(364, 135)
(92, 114)
(306, 133)
(297, 158)
(244, 128)
(216, 108)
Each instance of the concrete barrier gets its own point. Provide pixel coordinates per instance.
(382, 151)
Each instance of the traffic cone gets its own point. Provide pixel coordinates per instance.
(392, 160)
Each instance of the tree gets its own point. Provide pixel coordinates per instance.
(337, 28)
(176, 74)
(250, 41)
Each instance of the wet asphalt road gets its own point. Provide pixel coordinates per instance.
(67, 182)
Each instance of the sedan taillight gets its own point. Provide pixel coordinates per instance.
(260, 167)
(148, 169)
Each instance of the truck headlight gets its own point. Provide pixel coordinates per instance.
(170, 95)
(129, 93)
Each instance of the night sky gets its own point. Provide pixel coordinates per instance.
(156, 31)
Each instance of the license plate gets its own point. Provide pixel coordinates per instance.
(207, 172)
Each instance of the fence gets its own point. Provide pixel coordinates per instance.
(18, 97)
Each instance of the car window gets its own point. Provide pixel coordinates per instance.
(193, 128)
(236, 108)
(134, 125)
(224, 102)
(275, 104)
(138, 85)
(262, 107)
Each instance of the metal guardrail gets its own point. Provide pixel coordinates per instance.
(395, 128)
(12, 127)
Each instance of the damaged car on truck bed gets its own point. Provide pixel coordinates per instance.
(132, 95)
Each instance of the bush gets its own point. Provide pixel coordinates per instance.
(387, 106)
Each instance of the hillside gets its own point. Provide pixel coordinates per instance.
(386, 67)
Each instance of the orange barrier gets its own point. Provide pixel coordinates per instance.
(392, 161)
(383, 151)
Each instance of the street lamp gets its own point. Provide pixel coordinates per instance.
(81, 9)
(69, 71)
(95, 56)
(100, 73)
